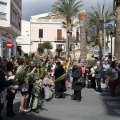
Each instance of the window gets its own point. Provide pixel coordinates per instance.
(59, 34)
(15, 18)
(40, 33)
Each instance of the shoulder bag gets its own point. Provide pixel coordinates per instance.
(80, 80)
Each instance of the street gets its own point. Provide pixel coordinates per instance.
(94, 106)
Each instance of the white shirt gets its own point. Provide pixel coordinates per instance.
(105, 67)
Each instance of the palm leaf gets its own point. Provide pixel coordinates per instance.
(43, 71)
(46, 60)
(22, 75)
(62, 77)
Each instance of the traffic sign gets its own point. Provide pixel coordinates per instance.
(9, 45)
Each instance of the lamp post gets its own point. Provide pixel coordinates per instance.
(111, 36)
(68, 35)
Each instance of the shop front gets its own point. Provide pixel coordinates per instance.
(6, 37)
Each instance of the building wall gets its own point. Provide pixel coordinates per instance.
(8, 30)
(4, 38)
(49, 27)
(24, 39)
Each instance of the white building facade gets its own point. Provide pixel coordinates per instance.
(10, 25)
(48, 27)
(23, 41)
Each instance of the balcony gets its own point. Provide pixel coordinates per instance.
(2, 16)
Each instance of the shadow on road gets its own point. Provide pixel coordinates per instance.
(25, 116)
(107, 99)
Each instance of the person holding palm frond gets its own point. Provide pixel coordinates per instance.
(35, 93)
(59, 85)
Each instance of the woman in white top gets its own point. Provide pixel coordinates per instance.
(92, 78)
(106, 66)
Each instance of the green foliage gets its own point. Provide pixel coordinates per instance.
(28, 59)
(43, 70)
(97, 16)
(46, 60)
(95, 39)
(72, 24)
(63, 58)
(91, 63)
(22, 75)
(66, 8)
(40, 50)
(59, 50)
(62, 77)
(37, 61)
(47, 45)
(44, 66)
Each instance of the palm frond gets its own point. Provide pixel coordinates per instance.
(61, 77)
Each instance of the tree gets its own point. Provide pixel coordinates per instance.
(72, 25)
(47, 45)
(43, 46)
(117, 30)
(41, 49)
(95, 39)
(59, 50)
(68, 9)
(97, 18)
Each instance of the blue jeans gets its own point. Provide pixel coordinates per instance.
(68, 76)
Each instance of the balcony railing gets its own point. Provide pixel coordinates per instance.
(3, 16)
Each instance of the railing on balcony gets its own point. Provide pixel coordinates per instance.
(73, 38)
(3, 16)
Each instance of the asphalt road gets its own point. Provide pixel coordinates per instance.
(94, 106)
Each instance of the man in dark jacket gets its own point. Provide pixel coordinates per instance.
(3, 84)
(98, 75)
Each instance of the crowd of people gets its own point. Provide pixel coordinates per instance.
(40, 89)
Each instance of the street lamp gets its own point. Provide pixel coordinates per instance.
(111, 36)
(68, 35)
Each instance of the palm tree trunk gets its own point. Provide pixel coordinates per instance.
(82, 20)
(117, 30)
(100, 44)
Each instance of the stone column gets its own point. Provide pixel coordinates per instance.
(82, 20)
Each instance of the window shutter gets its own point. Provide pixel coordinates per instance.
(40, 33)
(59, 34)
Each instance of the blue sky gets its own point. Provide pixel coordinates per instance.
(34, 7)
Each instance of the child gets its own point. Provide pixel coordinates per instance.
(11, 91)
(47, 90)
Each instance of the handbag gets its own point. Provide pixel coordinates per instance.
(25, 87)
(80, 80)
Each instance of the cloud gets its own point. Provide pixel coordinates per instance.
(33, 7)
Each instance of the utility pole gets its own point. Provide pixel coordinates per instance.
(104, 28)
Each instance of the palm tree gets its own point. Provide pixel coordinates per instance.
(72, 24)
(97, 18)
(68, 9)
(117, 30)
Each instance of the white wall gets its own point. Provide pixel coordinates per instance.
(24, 39)
(49, 33)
